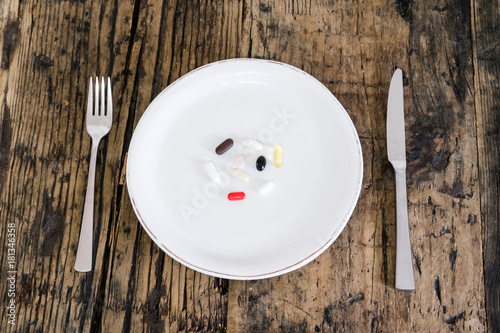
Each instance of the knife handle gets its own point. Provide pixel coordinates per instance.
(404, 262)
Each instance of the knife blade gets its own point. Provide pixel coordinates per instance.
(396, 152)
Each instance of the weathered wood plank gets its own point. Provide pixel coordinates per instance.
(68, 44)
(159, 294)
(353, 47)
(447, 53)
(58, 51)
(485, 32)
(443, 164)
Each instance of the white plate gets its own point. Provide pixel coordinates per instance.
(190, 217)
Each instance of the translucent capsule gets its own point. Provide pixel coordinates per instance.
(260, 164)
(240, 175)
(252, 143)
(266, 187)
(239, 160)
(278, 156)
(224, 146)
(212, 172)
(236, 196)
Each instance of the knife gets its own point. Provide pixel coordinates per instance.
(396, 151)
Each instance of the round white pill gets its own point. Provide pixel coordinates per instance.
(239, 160)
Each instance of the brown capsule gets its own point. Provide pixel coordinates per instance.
(224, 146)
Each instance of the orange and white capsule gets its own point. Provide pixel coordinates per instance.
(278, 156)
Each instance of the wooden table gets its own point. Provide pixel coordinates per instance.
(450, 56)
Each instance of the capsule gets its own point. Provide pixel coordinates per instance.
(224, 146)
(236, 196)
(252, 143)
(260, 164)
(239, 160)
(278, 156)
(240, 175)
(212, 172)
(266, 187)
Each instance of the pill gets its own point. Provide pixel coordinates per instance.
(278, 156)
(266, 187)
(224, 146)
(252, 143)
(239, 160)
(261, 163)
(236, 196)
(240, 175)
(212, 172)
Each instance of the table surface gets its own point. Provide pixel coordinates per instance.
(450, 57)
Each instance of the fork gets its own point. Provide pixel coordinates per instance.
(98, 125)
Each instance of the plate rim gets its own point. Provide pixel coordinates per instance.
(301, 262)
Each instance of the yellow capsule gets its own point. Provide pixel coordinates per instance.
(278, 156)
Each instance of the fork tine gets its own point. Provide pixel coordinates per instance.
(103, 97)
(89, 101)
(96, 108)
(109, 112)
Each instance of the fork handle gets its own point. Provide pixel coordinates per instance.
(83, 262)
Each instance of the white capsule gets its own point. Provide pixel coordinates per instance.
(252, 143)
(268, 152)
(240, 175)
(212, 172)
(266, 187)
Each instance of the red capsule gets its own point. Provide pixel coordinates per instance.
(236, 196)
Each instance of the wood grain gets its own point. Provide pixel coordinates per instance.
(485, 29)
(356, 64)
(448, 53)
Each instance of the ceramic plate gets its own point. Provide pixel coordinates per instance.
(190, 217)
